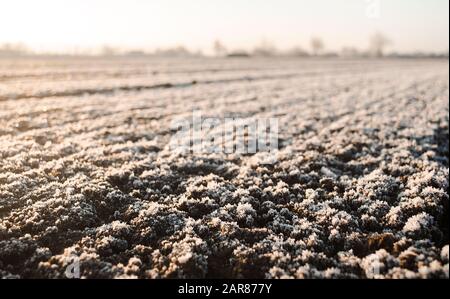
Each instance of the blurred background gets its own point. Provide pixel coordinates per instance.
(358, 28)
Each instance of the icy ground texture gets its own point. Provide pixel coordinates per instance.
(360, 187)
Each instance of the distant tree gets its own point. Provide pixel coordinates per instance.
(13, 49)
(178, 51)
(108, 51)
(297, 52)
(219, 49)
(238, 54)
(317, 45)
(198, 53)
(135, 53)
(265, 48)
(378, 43)
(349, 52)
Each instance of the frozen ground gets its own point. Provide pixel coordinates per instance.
(359, 189)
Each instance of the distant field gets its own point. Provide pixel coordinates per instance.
(359, 188)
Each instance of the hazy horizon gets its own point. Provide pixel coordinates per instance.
(51, 25)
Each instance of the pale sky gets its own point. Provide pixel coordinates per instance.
(64, 24)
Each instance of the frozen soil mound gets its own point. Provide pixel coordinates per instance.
(359, 188)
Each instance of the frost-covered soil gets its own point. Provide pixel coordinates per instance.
(359, 188)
